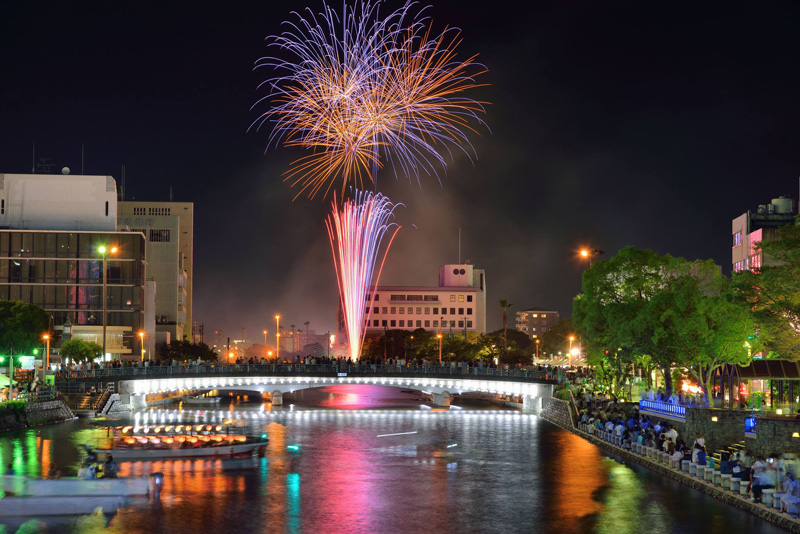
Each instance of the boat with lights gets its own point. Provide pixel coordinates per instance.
(164, 442)
(200, 400)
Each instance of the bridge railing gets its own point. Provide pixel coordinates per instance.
(177, 371)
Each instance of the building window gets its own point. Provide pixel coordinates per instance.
(397, 297)
(393, 323)
(427, 311)
(138, 211)
(436, 311)
(469, 298)
(444, 311)
(106, 208)
(432, 298)
(366, 311)
(377, 297)
(469, 324)
(469, 311)
(393, 309)
(535, 315)
(157, 211)
(384, 310)
(452, 324)
(402, 310)
(452, 298)
(419, 324)
(737, 239)
(461, 324)
(419, 311)
(436, 324)
(427, 324)
(461, 311)
(452, 311)
(402, 323)
(544, 315)
(375, 322)
(383, 323)
(410, 310)
(159, 236)
(461, 298)
(375, 310)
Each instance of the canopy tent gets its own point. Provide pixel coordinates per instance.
(4, 381)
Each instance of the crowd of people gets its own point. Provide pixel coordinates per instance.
(599, 412)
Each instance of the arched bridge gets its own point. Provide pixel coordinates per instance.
(137, 384)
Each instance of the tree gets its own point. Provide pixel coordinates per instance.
(181, 349)
(773, 292)
(21, 326)
(80, 351)
(505, 305)
(556, 339)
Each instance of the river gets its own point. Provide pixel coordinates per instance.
(366, 462)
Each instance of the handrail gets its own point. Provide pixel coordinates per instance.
(304, 370)
(663, 408)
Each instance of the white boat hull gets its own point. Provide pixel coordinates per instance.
(200, 400)
(57, 506)
(221, 451)
(73, 487)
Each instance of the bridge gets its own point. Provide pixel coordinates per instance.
(139, 385)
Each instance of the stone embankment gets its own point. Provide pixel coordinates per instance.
(558, 412)
(18, 415)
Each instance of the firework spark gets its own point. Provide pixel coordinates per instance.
(356, 231)
(363, 90)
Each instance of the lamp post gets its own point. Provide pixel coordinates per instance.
(439, 336)
(569, 355)
(537, 348)
(105, 251)
(265, 345)
(328, 339)
(141, 343)
(590, 254)
(46, 337)
(278, 337)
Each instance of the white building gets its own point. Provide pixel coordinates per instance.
(58, 202)
(169, 231)
(457, 304)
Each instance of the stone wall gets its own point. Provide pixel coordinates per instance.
(34, 414)
(775, 436)
(726, 430)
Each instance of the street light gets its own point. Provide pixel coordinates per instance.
(440, 348)
(569, 357)
(105, 251)
(141, 343)
(46, 337)
(590, 254)
(278, 337)
(537, 348)
(265, 344)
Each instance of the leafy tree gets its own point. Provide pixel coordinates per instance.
(556, 339)
(181, 349)
(80, 351)
(21, 326)
(773, 292)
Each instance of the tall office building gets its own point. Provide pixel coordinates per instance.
(457, 304)
(51, 231)
(169, 231)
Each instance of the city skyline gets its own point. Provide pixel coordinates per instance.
(611, 126)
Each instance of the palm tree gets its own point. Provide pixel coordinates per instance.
(505, 305)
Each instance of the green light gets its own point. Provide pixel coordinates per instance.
(2, 359)
(264, 436)
(35, 352)
(101, 249)
(293, 447)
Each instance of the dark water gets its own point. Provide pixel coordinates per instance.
(509, 473)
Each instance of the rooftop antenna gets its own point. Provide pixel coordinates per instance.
(170, 193)
(459, 245)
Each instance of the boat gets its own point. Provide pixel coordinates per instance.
(23, 486)
(28, 507)
(166, 442)
(200, 400)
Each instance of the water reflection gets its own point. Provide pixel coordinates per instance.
(379, 470)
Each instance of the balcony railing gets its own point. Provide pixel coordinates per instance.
(675, 411)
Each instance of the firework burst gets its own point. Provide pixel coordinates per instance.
(356, 231)
(362, 91)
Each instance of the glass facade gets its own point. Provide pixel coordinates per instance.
(63, 273)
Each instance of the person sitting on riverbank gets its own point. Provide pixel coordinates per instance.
(110, 468)
(759, 478)
(701, 455)
(789, 493)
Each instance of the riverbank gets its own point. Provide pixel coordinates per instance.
(17, 415)
(557, 412)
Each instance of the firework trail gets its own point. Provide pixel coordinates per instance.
(361, 91)
(356, 231)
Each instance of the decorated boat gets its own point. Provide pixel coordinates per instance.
(164, 442)
(200, 400)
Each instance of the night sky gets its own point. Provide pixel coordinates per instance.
(612, 124)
